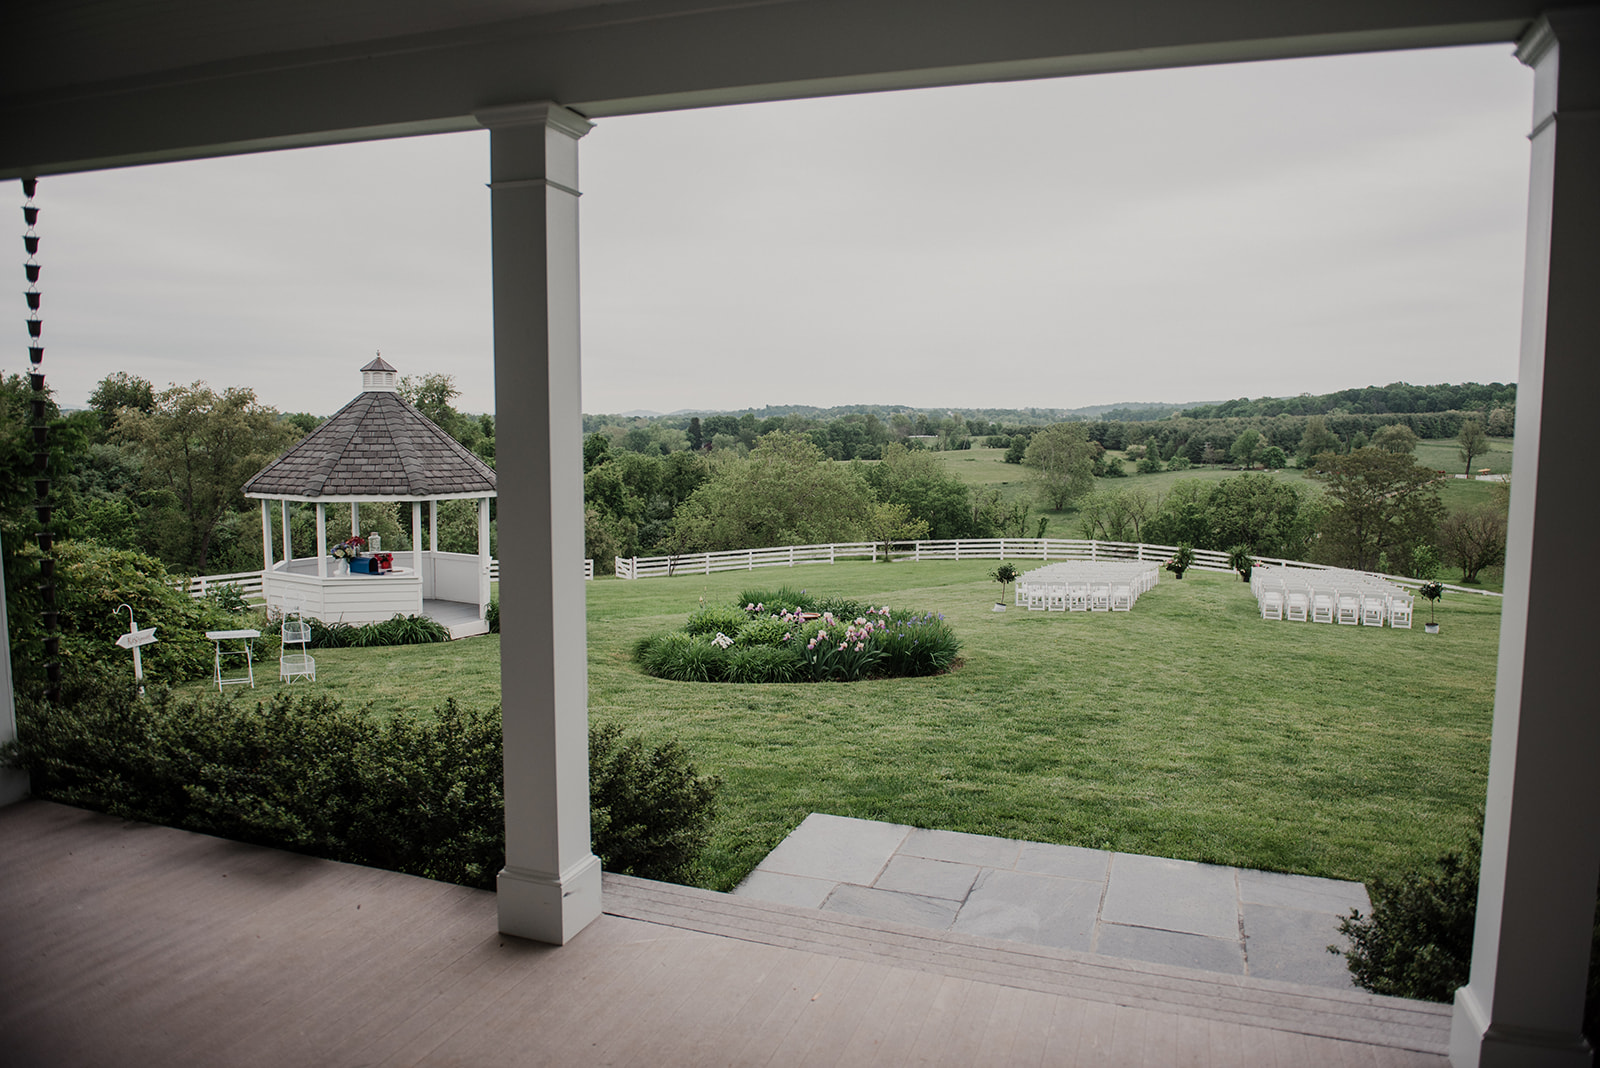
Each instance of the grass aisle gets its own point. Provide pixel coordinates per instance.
(1187, 728)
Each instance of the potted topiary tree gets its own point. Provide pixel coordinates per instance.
(1432, 590)
(1181, 559)
(1005, 574)
(1239, 560)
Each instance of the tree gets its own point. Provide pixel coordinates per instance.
(1474, 539)
(198, 448)
(431, 395)
(696, 438)
(1474, 442)
(887, 523)
(1272, 458)
(1379, 504)
(784, 493)
(1396, 437)
(1317, 438)
(120, 390)
(1246, 446)
(927, 490)
(1062, 459)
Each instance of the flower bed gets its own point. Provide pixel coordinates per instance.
(792, 636)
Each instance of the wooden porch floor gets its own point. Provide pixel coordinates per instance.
(126, 944)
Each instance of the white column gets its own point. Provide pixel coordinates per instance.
(266, 537)
(322, 540)
(1541, 850)
(355, 519)
(288, 542)
(550, 887)
(433, 526)
(416, 537)
(483, 561)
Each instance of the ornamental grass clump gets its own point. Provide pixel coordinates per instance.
(791, 636)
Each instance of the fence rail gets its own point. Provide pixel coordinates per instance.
(1044, 549)
(249, 582)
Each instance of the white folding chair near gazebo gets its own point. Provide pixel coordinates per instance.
(376, 449)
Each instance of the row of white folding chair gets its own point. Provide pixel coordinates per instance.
(1342, 605)
(1077, 597)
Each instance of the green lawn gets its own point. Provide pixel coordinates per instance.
(1187, 728)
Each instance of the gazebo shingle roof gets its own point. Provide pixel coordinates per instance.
(377, 446)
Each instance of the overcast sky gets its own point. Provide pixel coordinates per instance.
(1249, 230)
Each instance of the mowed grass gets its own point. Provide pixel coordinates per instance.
(1187, 728)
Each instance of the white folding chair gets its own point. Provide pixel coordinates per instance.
(1400, 612)
(1374, 607)
(1100, 597)
(1296, 606)
(1078, 596)
(1121, 597)
(1349, 609)
(1056, 597)
(1271, 604)
(1322, 606)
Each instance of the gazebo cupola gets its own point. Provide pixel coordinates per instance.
(378, 375)
(377, 448)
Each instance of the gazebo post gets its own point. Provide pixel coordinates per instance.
(288, 543)
(266, 538)
(355, 519)
(433, 526)
(322, 540)
(483, 556)
(416, 537)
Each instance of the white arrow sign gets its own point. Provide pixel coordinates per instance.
(134, 639)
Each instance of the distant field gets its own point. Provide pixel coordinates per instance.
(1187, 728)
(987, 467)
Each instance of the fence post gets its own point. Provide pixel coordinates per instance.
(791, 556)
(919, 552)
(958, 548)
(830, 552)
(1094, 551)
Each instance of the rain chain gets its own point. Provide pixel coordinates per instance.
(41, 444)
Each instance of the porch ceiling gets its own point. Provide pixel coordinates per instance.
(106, 82)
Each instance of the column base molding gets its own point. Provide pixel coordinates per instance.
(549, 908)
(1476, 1044)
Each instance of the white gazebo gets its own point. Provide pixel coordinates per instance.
(377, 448)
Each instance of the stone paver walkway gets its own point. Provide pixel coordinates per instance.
(1231, 920)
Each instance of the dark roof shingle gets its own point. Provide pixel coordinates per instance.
(375, 446)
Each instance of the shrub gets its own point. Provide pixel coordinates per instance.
(650, 811)
(399, 630)
(779, 600)
(299, 771)
(227, 598)
(716, 618)
(764, 632)
(766, 663)
(867, 643)
(1417, 943)
(492, 616)
(842, 607)
(915, 645)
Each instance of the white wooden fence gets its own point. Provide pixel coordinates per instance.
(249, 582)
(636, 567)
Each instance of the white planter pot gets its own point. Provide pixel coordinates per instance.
(1431, 628)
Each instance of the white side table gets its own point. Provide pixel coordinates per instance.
(233, 656)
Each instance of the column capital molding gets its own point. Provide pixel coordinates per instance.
(1553, 27)
(540, 113)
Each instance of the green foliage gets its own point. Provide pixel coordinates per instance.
(1062, 459)
(1005, 574)
(847, 642)
(492, 616)
(1378, 503)
(420, 795)
(227, 597)
(92, 582)
(399, 630)
(784, 493)
(198, 448)
(1182, 559)
(1274, 458)
(1474, 442)
(651, 813)
(1417, 943)
(1239, 560)
(714, 618)
(1150, 464)
(1474, 539)
(782, 599)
